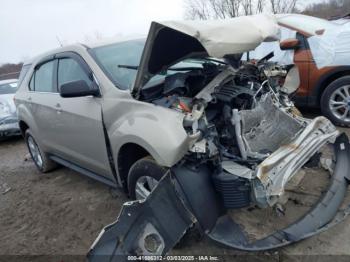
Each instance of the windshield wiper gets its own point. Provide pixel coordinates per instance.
(170, 68)
(184, 68)
(129, 67)
(215, 60)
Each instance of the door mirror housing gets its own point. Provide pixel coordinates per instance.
(78, 88)
(290, 44)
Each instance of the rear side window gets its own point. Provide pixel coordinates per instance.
(70, 70)
(42, 79)
(23, 73)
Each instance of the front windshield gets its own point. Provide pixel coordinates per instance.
(110, 58)
(120, 62)
(8, 88)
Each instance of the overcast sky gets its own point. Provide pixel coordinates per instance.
(28, 28)
(31, 27)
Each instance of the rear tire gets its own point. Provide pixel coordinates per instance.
(143, 177)
(335, 102)
(40, 158)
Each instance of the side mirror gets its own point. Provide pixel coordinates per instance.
(290, 44)
(78, 89)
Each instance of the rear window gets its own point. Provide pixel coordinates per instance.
(8, 88)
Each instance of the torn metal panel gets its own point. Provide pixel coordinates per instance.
(149, 227)
(266, 127)
(276, 170)
(324, 215)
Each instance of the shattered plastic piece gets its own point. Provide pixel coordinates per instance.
(327, 164)
(27, 157)
(5, 188)
(280, 210)
(149, 227)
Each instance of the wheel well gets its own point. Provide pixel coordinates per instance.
(23, 127)
(128, 155)
(329, 80)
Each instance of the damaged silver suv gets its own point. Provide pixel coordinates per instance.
(184, 126)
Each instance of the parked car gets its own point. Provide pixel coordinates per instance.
(181, 124)
(326, 88)
(8, 114)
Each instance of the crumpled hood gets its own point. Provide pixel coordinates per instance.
(172, 41)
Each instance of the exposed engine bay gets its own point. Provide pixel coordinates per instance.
(241, 116)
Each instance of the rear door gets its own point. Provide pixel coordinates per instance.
(42, 97)
(79, 135)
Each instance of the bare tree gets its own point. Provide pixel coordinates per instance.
(283, 6)
(260, 6)
(218, 9)
(247, 7)
(233, 7)
(329, 9)
(9, 71)
(206, 9)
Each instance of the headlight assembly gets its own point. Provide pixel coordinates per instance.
(4, 109)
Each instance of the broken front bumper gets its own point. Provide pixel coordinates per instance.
(9, 126)
(154, 226)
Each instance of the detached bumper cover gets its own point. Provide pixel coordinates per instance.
(166, 215)
(146, 227)
(324, 215)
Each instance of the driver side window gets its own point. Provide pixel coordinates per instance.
(70, 70)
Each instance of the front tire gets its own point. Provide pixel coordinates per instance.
(143, 177)
(40, 158)
(335, 102)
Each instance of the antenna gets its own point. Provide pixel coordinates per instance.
(58, 40)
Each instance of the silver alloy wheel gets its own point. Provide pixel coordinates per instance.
(144, 187)
(339, 103)
(35, 152)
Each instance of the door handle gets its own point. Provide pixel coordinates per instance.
(58, 108)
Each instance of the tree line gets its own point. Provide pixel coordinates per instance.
(10, 71)
(221, 9)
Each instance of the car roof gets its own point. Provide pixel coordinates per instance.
(114, 40)
(80, 46)
(75, 47)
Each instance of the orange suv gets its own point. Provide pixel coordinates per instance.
(327, 88)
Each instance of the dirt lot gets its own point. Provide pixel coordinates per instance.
(62, 212)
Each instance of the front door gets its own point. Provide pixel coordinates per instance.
(79, 132)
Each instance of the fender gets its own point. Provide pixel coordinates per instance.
(324, 81)
(27, 117)
(157, 129)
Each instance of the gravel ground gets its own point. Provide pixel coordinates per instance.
(62, 212)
